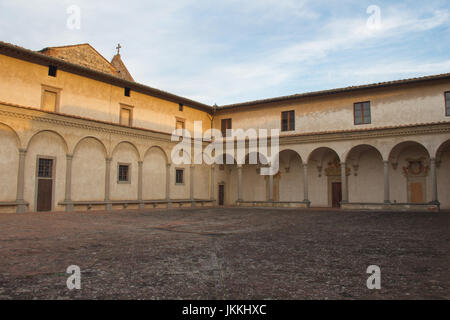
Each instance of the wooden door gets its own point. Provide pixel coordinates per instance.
(336, 194)
(44, 185)
(416, 192)
(221, 194)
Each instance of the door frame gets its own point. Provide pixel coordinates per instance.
(218, 193)
(331, 180)
(36, 184)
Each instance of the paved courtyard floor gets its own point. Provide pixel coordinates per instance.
(225, 253)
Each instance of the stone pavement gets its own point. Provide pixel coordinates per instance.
(225, 253)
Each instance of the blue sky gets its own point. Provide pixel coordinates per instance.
(233, 51)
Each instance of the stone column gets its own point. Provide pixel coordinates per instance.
(305, 183)
(386, 182)
(239, 172)
(140, 173)
(107, 182)
(344, 182)
(191, 184)
(271, 188)
(212, 186)
(168, 166)
(434, 191)
(68, 196)
(21, 206)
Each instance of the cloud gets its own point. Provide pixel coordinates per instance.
(231, 51)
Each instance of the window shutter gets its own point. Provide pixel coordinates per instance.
(49, 101)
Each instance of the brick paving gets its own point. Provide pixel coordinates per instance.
(225, 253)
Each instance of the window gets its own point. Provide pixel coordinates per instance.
(127, 92)
(50, 98)
(123, 173)
(362, 112)
(288, 120)
(225, 125)
(179, 176)
(126, 116)
(180, 107)
(179, 123)
(52, 71)
(447, 103)
(45, 168)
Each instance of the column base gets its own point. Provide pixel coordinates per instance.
(21, 206)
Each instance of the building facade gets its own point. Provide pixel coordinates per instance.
(77, 133)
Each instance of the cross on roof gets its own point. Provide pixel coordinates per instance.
(118, 48)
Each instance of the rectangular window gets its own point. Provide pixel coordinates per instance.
(179, 176)
(447, 103)
(179, 123)
(127, 92)
(50, 97)
(180, 107)
(126, 116)
(45, 169)
(225, 125)
(124, 173)
(52, 71)
(362, 112)
(288, 120)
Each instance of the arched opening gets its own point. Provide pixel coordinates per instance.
(366, 181)
(45, 171)
(88, 170)
(288, 182)
(442, 173)
(253, 183)
(124, 172)
(324, 178)
(9, 161)
(154, 174)
(410, 175)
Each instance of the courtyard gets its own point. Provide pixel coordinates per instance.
(225, 253)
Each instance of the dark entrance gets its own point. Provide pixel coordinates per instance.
(44, 185)
(221, 194)
(336, 194)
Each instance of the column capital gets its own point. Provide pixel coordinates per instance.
(108, 159)
(433, 160)
(168, 165)
(22, 151)
(140, 163)
(69, 156)
(386, 162)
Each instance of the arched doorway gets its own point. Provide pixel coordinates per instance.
(325, 179)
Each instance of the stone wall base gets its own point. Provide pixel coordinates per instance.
(276, 204)
(392, 206)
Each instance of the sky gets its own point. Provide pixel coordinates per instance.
(229, 51)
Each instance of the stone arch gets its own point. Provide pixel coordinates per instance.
(355, 152)
(323, 173)
(128, 143)
(441, 149)
(161, 150)
(88, 170)
(401, 146)
(50, 145)
(366, 181)
(154, 173)
(409, 174)
(320, 152)
(9, 145)
(94, 138)
(13, 132)
(442, 172)
(289, 181)
(51, 131)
